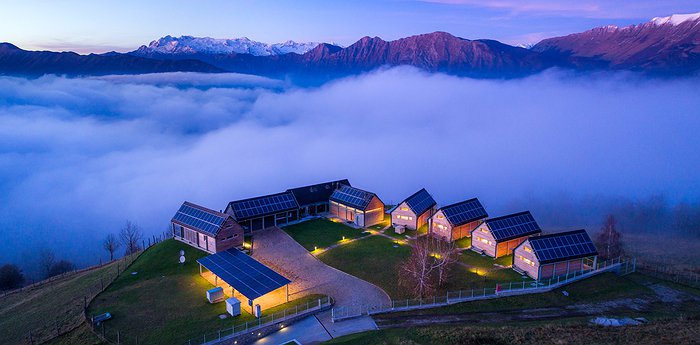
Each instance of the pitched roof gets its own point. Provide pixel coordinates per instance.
(562, 246)
(512, 226)
(247, 275)
(263, 205)
(464, 212)
(199, 218)
(353, 197)
(316, 193)
(420, 201)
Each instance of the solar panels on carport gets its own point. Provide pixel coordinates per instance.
(420, 201)
(245, 274)
(562, 246)
(199, 219)
(464, 212)
(264, 205)
(513, 226)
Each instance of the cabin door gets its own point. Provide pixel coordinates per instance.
(360, 219)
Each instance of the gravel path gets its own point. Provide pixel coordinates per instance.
(309, 275)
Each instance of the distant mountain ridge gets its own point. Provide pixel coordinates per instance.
(667, 44)
(663, 46)
(189, 45)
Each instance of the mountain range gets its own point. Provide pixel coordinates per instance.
(662, 46)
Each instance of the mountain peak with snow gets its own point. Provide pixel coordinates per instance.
(190, 45)
(676, 19)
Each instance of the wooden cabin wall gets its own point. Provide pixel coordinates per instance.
(398, 213)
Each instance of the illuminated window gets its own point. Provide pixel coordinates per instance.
(404, 209)
(406, 217)
(483, 240)
(441, 216)
(526, 260)
(441, 227)
(484, 230)
(528, 249)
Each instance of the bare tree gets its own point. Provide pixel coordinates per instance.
(445, 256)
(130, 237)
(609, 240)
(416, 273)
(46, 261)
(111, 244)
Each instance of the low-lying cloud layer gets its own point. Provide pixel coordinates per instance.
(78, 157)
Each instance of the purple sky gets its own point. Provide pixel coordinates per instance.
(99, 26)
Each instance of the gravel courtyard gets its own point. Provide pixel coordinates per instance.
(309, 275)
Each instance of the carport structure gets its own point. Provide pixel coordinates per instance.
(246, 276)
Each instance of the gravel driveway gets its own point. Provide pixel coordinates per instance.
(309, 275)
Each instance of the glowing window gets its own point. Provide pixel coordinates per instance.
(441, 227)
(526, 260)
(404, 209)
(528, 249)
(441, 216)
(484, 230)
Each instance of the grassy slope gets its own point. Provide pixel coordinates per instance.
(569, 331)
(165, 302)
(321, 233)
(60, 303)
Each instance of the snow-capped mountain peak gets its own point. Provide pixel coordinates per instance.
(187, 45)
(676, 19)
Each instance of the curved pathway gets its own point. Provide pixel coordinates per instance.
(311, 276)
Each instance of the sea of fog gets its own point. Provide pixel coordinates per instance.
(80, 156)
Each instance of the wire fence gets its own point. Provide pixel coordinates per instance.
(72, 313)
(670, 273)
(249, 328)
(621, 265)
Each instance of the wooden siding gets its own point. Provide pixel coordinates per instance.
(464, 230)
(520, 253)
(404, 211)
(440, 227)
(507, 247)
(372, 216)
(423, 218)
(483, 239)
(230, 236)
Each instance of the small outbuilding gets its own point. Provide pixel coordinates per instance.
(206, 229)
(356, 205)
(455, 221)
(263, 212)
(414, 211)
(546, 256)
(314, 199)
(498, 237)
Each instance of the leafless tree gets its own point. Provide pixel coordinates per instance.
(609, 240)
(130, 236)
(416, 273)
(46, 261)
(111, 244)
(445, 256)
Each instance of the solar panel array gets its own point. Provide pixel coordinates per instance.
(245, 274)
(264, 205)
(513, 226)
(557, 247)
(352, 196)
(420, 201)
(464, 212)
(198, 219)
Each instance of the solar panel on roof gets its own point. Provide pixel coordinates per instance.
(563, 246)
(198, 219)
(264, 205)
(420, 202)
(352, 196)
(465, 212)
(513, 226)
(245, 274)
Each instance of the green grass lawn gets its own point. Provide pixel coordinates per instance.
(383, 224)
(373, 259)
(59, 303)
(390, 231)
(464, 242)
(506, 260)
(462, 278)
(165, 303)
(321, 233)
(471, 258)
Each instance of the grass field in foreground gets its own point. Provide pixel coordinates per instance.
(684, 332)
(41, 309)
(165, 303)
(321, 233)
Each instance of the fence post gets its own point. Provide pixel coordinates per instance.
(117, 337)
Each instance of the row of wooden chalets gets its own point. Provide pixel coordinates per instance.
(221, 233)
